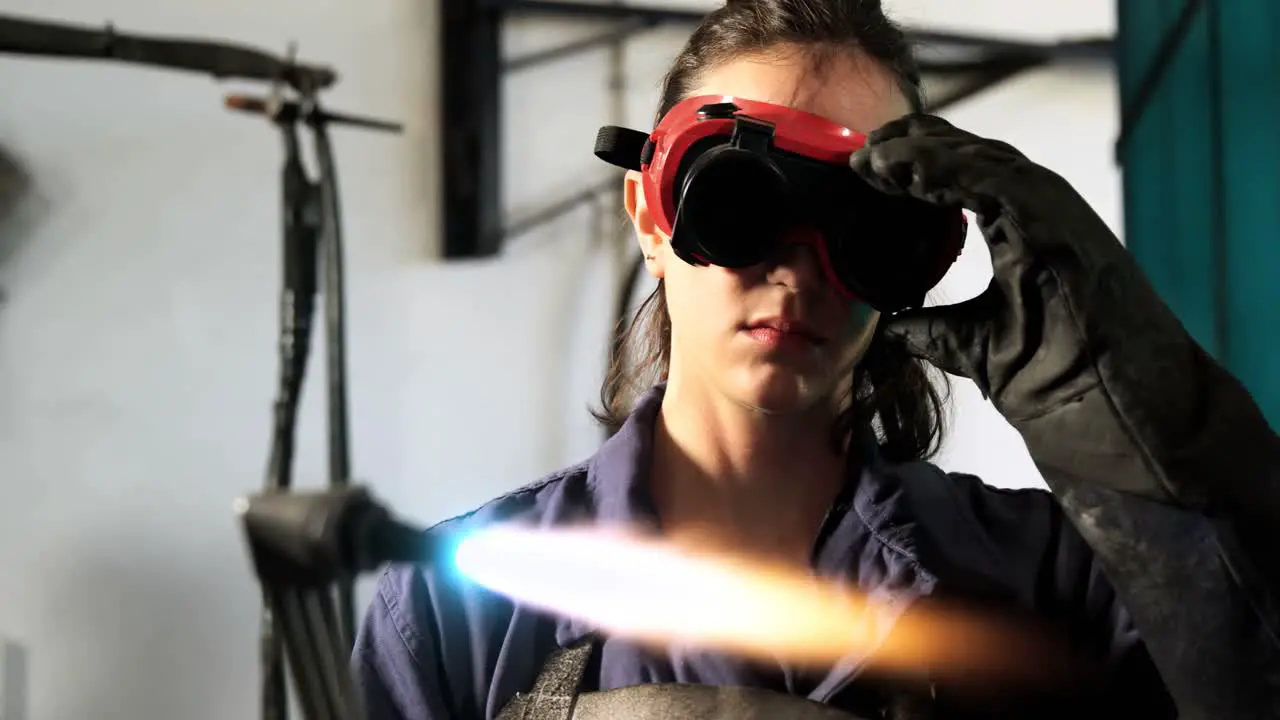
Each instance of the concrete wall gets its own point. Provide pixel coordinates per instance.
(137, 337)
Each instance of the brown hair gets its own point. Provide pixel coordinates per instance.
(892, 391)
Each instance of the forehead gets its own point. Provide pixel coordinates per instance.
(845, 88)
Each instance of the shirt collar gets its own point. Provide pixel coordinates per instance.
(870, 519)
(617, 481)
(616, 476)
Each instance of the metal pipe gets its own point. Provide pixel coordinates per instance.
(612, 38)
(221, 60)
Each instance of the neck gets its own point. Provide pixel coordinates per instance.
(741, 478)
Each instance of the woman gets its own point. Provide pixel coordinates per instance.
(752, 371)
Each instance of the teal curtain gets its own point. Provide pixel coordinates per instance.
(1201, 168)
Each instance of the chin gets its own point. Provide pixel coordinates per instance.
(781, 392)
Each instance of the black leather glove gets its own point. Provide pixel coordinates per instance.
(1070, 341)
(1158, 455)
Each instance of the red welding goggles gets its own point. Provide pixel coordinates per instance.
(732, 181)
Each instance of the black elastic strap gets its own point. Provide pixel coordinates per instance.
(623, 147)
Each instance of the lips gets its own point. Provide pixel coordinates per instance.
(784, 330)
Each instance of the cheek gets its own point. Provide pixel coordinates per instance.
(708, 298)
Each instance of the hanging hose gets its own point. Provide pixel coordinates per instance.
(312, 264)
(297, 307)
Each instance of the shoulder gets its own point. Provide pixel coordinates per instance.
(542, 501)
(1004, 513)
(404, 588)
(1052, 571)
(429, 627)
(1015, 538)
(1024, 542)
(1029, 515)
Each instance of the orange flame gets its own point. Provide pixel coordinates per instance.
(661, 592)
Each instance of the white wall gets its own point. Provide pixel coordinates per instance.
(136, 343)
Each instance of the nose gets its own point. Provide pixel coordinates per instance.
(798, 264)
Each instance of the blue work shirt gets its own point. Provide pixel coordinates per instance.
(436, 647)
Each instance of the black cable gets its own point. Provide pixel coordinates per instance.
(335, 338)
(330, 653)
(300, 638)
(297, 306)
(308, 636)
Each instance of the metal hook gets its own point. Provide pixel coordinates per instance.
(275, 98)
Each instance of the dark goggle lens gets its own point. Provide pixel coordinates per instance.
(736, 208)
(887, 250)
(733, 210)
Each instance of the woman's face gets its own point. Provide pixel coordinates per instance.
(774, 337)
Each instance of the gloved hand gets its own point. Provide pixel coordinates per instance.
(1070, 341)
(1118, 407)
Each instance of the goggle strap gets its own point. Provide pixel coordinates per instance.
(623, 147)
